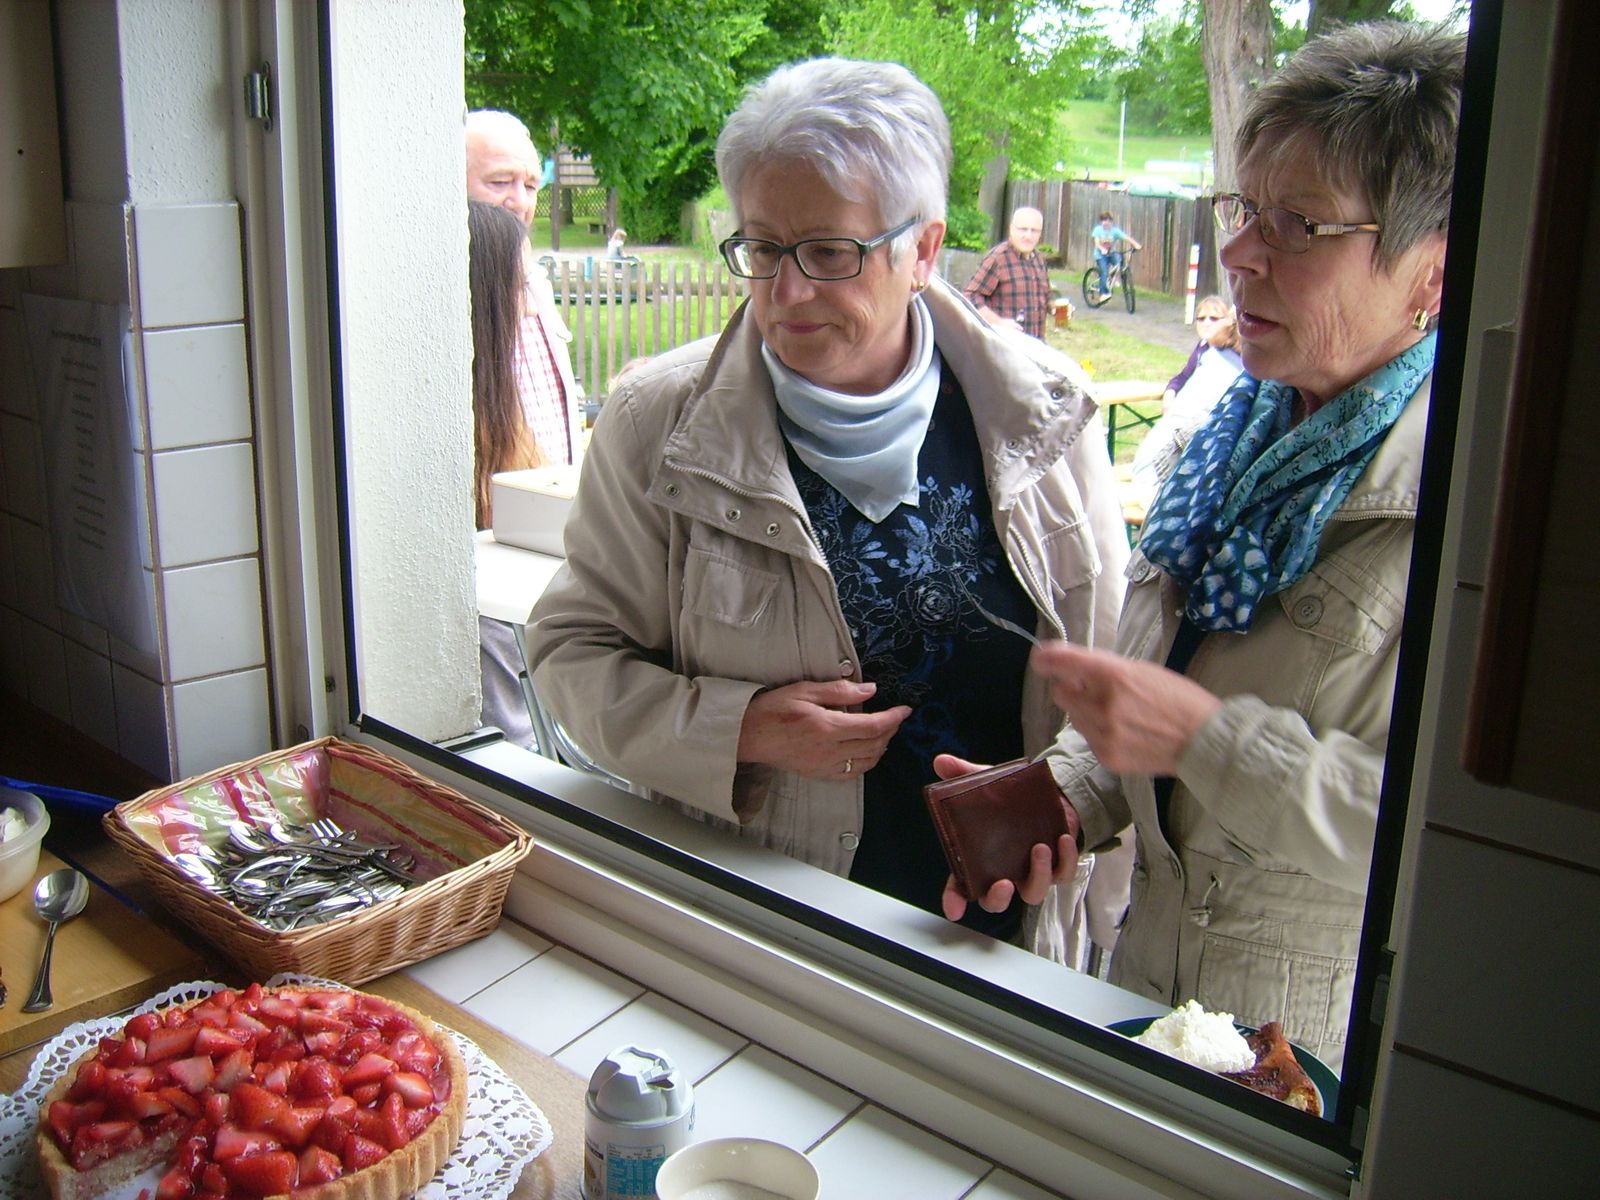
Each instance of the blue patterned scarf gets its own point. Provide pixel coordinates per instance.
(1242, 514)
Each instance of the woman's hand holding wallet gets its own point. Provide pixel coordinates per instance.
(1006, 831)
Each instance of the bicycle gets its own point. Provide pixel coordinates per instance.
(1120, 272)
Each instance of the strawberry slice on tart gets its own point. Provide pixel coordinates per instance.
(317, 1094)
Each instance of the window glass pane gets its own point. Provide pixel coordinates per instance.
(437, 601)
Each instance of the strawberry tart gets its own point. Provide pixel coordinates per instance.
(315, 1093)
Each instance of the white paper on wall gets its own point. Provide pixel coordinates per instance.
(94, 480)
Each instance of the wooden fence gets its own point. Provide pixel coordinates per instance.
(622, 309)
(1166, 228)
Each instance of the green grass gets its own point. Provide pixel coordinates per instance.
(1107, 353)
(1091, 127)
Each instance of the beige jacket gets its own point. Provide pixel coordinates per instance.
(1255, 905)
(692, 579)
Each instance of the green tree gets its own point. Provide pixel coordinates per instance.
(1002, 70)
(1163, 75)
(641, 86)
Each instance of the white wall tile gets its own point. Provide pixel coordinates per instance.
(760, 1094)
(8, 564)
(1481, 915)
(13, 282)
(695, 1044)
(146, 662)
(86, 633)
(205, 504)
(1002, 1185)
(36, 574)
(466, 970)
(553, 999)
(213, 618)
(56, 279)
(13, 663)
(1459, 1137)
(187, 264)
(196, 386)
(100, 249)
(93, 707)
(16, 381)
(46, 663)
(22, 465)
(221, 720)
(877, 1156)
(141, 721)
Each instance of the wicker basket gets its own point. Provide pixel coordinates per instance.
(465, 852)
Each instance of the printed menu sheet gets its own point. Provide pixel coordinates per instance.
(81, 355)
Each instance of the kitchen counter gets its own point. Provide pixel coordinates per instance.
(121, 909)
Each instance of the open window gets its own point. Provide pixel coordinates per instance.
(399, 511)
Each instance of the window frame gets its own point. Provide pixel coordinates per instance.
(605, 838)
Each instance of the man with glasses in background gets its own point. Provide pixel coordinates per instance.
(503, 168)
(1011, 287)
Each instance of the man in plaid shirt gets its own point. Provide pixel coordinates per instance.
(503, 168)
(1011, 289)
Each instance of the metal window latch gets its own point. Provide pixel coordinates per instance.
(258, 95)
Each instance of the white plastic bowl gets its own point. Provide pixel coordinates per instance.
(769, 1165)
(19, 856)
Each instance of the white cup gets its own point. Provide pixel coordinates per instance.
(730, 1168)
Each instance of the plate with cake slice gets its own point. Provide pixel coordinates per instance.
(1261, 1059)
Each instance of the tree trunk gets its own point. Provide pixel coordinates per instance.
(1236, 45)
(1325, 14)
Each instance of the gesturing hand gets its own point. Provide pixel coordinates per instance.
(1138, 717)
(803, 728)
(1045, 865)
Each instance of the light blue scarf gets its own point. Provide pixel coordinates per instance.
(866, 446)
(1241, 516)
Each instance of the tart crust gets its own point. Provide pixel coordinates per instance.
(399, 1173)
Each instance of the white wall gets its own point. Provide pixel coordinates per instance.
(407, 371)
(147, 109)
(155, 224)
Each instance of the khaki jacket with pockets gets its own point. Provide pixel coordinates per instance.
(1254, 906)
(692, 579)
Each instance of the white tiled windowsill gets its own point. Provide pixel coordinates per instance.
(576, 1010)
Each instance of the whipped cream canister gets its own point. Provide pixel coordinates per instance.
(639, 1110)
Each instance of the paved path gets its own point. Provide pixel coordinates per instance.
(1159, 319)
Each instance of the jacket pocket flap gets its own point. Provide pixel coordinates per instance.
(721, 589)
(1344, 607)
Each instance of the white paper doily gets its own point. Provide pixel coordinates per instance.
(504, 1131)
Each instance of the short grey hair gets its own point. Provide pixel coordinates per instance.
(1379, 106)
(488, 122)
(874, 131)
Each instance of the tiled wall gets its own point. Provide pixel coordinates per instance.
(201, 700)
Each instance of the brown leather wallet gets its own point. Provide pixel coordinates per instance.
(990, 820)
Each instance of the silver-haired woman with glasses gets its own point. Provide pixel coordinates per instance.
(770, 611)
(1242, 723)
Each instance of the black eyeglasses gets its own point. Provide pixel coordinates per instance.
(822, 259)
(1281, 228)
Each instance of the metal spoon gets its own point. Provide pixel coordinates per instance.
(59, 896)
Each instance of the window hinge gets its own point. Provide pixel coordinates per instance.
(258, 96)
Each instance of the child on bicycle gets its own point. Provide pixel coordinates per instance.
(1105, 237)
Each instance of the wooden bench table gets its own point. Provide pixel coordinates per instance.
(1115, 395)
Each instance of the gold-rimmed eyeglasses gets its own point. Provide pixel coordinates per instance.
(1281, 228)
(822, 259)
